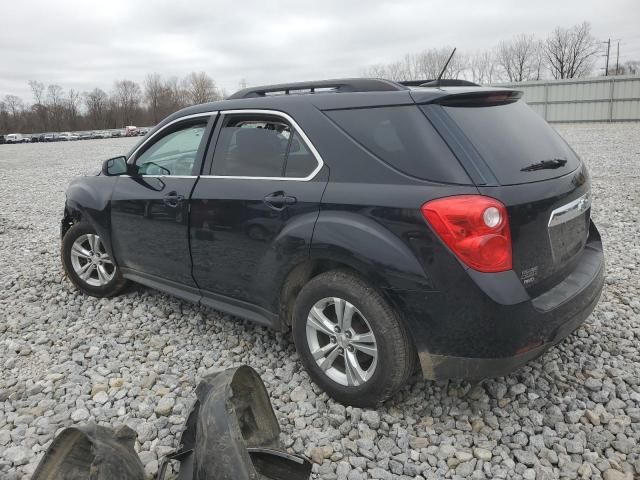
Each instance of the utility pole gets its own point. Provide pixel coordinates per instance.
(617, 57)
(606, 68)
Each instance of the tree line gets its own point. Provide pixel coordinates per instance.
(565, 53)
(128, 103)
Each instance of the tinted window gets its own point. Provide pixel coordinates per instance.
(300, 161)
(403, 138)
(173, 154)
(261, 147)
(513, 137)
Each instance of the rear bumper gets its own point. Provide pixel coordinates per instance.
(437, 367)
(486, 325)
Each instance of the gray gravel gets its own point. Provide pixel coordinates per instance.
(68, 358)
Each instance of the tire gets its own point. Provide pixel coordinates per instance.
(395, 356)
(102, 277)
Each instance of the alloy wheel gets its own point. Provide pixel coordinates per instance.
(341, 341)
(91, 262)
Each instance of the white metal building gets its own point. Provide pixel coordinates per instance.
(599, 99)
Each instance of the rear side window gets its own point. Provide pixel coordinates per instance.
(261, 146)
(516, 143)
(403, 138)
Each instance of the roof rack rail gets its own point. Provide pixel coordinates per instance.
(445, 82)
(340, 85)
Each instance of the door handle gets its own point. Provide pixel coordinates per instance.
(172, 199)
(279, 200)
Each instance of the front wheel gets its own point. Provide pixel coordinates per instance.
(88, 264)
(350, 340)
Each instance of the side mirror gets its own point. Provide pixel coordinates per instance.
(115, 166)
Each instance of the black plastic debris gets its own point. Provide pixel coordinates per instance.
(232, 433)
(91, 452)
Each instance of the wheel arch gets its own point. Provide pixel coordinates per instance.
(302, 273)
(88, 200)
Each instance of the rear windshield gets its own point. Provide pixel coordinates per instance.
(403, 138)
(516, 143)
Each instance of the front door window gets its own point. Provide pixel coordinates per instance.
(173, 154)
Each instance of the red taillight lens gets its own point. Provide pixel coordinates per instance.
(475, 227)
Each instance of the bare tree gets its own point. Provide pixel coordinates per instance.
(39, 107)
(397, 71)
(201, 88)
(72, 105)
(37, 88)
(631, 67)
(428, 64)
(425, 65)
(96, 102)
(540, 63)
(153, 93)
(376, 71)
(55, 105)
(14, 105)
(483, 67)
(177, 96)
(127, 95)
(5, 122)
(517, 57)
(571, 51)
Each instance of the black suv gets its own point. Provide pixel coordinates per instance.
(383, 224)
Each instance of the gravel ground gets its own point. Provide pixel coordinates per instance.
(67, 358)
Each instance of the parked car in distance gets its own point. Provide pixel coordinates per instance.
(386, 225)
(130, 131)
(116, 133)
(66, 136)
(85, 136)
(16, 138)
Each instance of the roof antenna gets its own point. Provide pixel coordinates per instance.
(444, 69)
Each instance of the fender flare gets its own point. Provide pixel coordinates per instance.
(89, 201)
(369, 248)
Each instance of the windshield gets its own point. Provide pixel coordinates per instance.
(516, 143)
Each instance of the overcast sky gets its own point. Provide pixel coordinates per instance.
(84, 44)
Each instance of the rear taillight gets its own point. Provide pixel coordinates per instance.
(475, 227)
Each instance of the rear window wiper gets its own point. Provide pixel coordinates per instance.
(545, 164)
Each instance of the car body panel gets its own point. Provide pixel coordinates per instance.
(88, 199)
(230, 250)
(150, 218)
(148, 234)
(243, 248)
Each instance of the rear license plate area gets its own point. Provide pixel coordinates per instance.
(568, 238)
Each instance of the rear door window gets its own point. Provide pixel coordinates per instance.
(516, 143)
(300, 161)
(261, 146)
(402, 137)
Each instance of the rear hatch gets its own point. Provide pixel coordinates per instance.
(513, 155)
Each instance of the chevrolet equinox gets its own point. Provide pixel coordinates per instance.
(386, 225)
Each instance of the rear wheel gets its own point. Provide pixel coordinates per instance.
(350, 340)
(88, 264)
